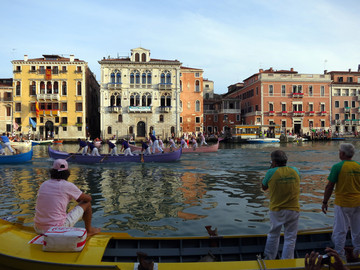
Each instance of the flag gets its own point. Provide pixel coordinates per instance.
(15, 125)
(37, 109)
(32, 123)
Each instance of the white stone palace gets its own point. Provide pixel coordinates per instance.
(138, 95)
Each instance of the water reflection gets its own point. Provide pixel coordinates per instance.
(221, 189)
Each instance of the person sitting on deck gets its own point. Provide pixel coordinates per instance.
(53, 198)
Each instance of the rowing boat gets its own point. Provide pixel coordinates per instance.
(200, 149)
(18, 158)
(86, 159)
(113, 250)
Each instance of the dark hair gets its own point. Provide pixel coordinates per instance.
(55, 174)
(279, 157)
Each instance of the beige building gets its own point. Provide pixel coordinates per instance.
(57, 94)
(6, 101)
(139, 94)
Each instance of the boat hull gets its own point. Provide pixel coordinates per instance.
(18, 158)
(119, 251)
(79, 158)
(266, 140)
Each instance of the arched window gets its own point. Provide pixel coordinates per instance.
(112, 80)
(120, 118)
(118, 77)
(109, 130)
(18, 89)
(32, 89)
(143, 57)
(162, 79)
(137, 57)
(132, 78)
(64, 89)
(149, 78)
(180, 85)
(131, 130)
(162, 101)
(172, 130)
(143, 78)
(143, 100)
(197, 86)
(161, 118)
(181, 105)
(42, 88)
(79, 88)
(137, 78)
(149, 100)
(56, 88)
(168, 101)
(118, 100)
(135, 99)
(48, 88)
(197, 106)
(168, 78)
(112, 100)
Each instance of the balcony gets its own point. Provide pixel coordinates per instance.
(79, 124)
(347, 110)
(271, 113)
(337, 122)
(63, 124)
(298, 95)
(164, 86)
(312, 113)
(284, 113)
(49, 112)
(164, 109)
(114, 109)
(140, 109)
(114, 86)
(348, 122)
(323, 113)
(298, 113)
(48, 97)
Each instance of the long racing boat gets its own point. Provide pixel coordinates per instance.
(110, 250)
(86, 159)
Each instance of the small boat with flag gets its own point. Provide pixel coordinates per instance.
(116, 250)
(86, 159)
(17, 158)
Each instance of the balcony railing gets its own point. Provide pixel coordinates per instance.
(298, 95)
(312, 113)
(271, 112)
(298, 113)
(164, 109)
(114, 86)
(164, 86)
(284, 113)
(337, 122)
(49, 112)
(48, 97)
(347, 109)
(114, 109)
(323, 113)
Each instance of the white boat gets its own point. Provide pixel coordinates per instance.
(263, 140)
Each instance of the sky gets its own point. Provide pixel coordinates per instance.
(229, 39)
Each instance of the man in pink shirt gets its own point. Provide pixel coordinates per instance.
(53, 198)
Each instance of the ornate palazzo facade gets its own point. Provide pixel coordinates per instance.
(139, 95)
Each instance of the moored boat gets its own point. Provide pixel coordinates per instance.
(263, 140)
(57, 141)
(17, 158)
(112, 250)
(86, 159)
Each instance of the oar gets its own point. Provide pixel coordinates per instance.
(142, 158)
(69, 156)
(103, 158)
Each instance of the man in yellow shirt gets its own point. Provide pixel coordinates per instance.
(345, 177)
(283, 183)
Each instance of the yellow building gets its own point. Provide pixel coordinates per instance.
(60, 94)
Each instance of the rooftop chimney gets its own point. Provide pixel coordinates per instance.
(291, 69)
(261, 70)
(72, 57)
(349, 69)
(26, 57)
(358, 68)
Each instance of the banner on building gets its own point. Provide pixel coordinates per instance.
(48, 74)
(37, 109)
(32, 123)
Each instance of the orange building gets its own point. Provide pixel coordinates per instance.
(296, 102)
(191, 100)
(345, 92)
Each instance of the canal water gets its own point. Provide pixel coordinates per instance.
(220, 189)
